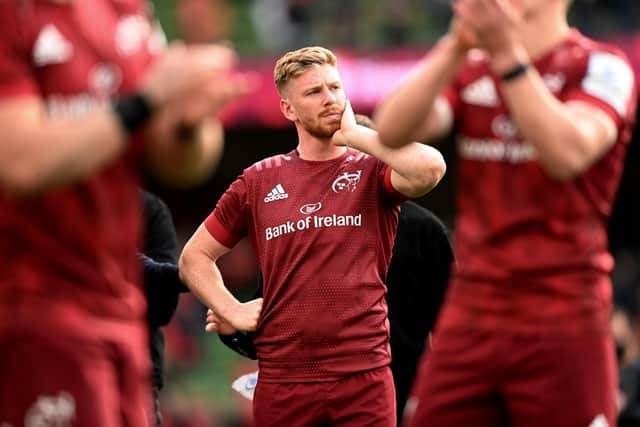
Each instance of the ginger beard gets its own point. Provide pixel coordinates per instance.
(324, 125)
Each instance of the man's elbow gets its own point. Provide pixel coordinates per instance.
(583, 147)
(184, 263)
(428, 176)
(568, 167)
(434, 166)
(433, 173)
(562, 172)
(559, 174)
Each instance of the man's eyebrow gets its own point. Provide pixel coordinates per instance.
(312, 87)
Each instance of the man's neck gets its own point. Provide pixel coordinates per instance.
(546, 30)
(317, 149)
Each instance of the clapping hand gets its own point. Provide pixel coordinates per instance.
(493, 23)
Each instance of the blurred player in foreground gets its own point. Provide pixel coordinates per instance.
(322, 220)
(83, 107)
(542, 118)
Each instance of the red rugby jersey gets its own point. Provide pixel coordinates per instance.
(322, 232)
(532, 252)
(72, 252)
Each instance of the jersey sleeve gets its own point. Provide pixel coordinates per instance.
(228, 221)
(608, 84)
(384, 183)
(16, 72)
(451, 95)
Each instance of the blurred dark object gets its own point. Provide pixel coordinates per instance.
(160, 247)
(242, 342)
(416, 283)
(606, 16)
(161, 283)
(625, 333)
(624, 232)
(626, 279)
(282, 25)
(629, 396)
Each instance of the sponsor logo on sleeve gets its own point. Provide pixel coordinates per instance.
(610, 79)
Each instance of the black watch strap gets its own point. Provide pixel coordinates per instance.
(132, 111)
(515, 72)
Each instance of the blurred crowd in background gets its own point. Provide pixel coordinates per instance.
(264, 26)
(200, 369)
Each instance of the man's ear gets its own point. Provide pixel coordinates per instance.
(287, 110)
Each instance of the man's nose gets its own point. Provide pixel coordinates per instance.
(329, 97)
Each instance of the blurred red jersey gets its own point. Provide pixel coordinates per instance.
(322, 232)
(71, 253)
(532, 253)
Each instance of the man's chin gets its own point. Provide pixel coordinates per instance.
(324, 132)
(333, 128)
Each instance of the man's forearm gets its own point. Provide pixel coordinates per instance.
(403, 113)
(40, 154)
(420, 166)
(567, 141)
(204, 280)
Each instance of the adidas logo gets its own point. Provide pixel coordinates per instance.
(51, 47)
(277, 193)
(482, 92)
